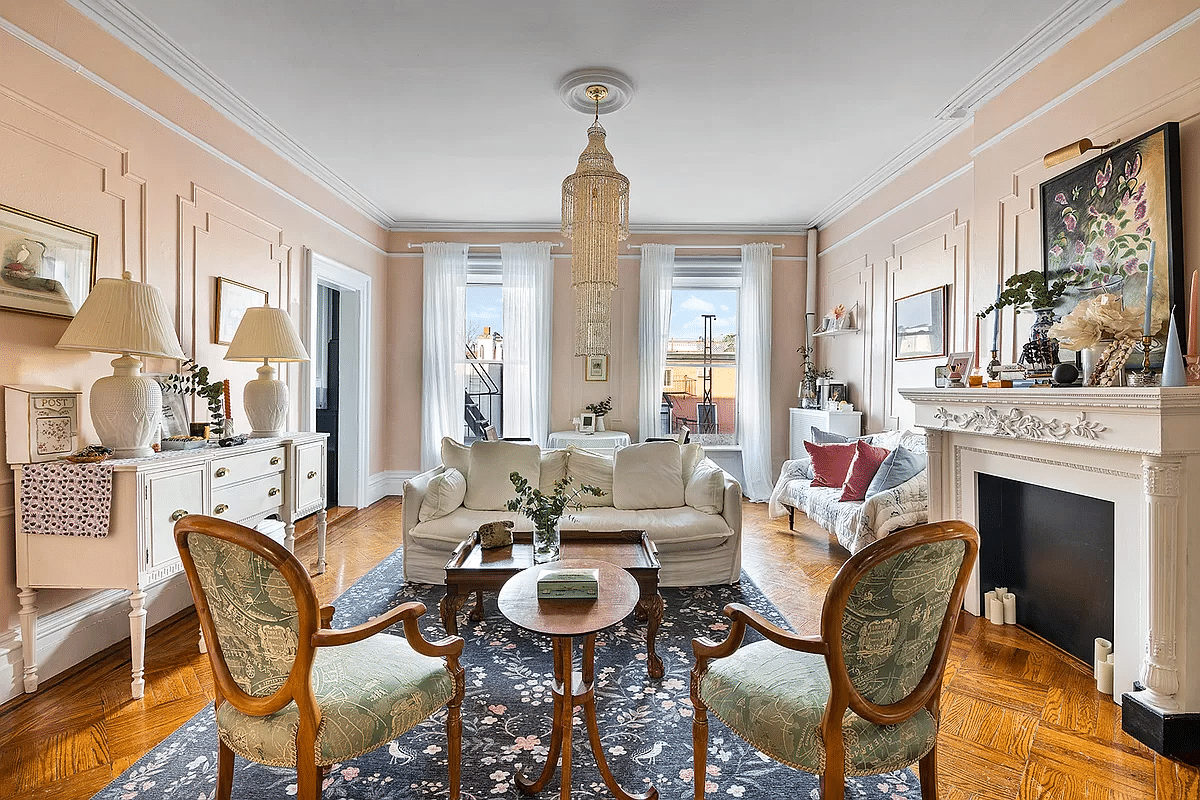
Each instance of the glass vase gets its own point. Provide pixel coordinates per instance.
(546, 543)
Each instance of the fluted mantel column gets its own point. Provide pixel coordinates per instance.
(1162, 478)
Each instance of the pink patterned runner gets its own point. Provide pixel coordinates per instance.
(64, 499)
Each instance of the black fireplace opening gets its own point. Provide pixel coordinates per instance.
(1054, 551)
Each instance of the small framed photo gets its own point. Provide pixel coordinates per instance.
(490, 434)
(174, 415)
(595, 368)
(587, 422)
(233, 299)
(960, 363)
(837, 393)
(941, 376)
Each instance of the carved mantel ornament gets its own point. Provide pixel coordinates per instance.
(1019, 425)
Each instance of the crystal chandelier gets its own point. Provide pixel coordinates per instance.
(595, 214)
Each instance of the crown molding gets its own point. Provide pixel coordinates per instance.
(137, 33)
(716, 229)
(1064, 24)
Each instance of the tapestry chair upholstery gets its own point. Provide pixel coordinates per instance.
(863, 697)
(290, 690)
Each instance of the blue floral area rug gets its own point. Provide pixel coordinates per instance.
(645, 725)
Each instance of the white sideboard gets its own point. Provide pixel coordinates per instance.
(280, 477)
(802, 421)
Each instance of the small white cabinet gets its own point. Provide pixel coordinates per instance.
(803, 420)
(280, 477)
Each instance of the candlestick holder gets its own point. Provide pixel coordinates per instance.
(993, 367)
(1193, 370)
(1146, 376)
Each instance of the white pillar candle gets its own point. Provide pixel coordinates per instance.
(996, 608)
(1104, 676)
(1010, 608)
(1102, 649)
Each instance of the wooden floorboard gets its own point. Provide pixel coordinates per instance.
(1020, 719)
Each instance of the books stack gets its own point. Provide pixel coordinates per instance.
(568, 584)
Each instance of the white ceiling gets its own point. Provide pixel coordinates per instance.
(438, 113)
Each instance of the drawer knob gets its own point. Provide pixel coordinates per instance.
(221, 509)
(222, 472)
(274, 490)
(178, 515)
(275, 461)
(312, 474)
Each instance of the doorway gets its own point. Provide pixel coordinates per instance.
(328, 388)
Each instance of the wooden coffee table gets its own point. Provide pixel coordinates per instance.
(563, 620)
(473, 570)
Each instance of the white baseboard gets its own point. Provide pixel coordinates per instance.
(383, 484)
(75, 632)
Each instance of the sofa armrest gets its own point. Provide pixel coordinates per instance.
(732, 510)
(414, 494)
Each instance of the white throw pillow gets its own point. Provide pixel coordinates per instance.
(488, 486)
(706, 490)
(456, 455)
(554, 469)
(586, 468)
(445, 493)
(692, 454)
(648, 475)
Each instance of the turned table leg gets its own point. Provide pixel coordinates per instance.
(137, 641)
(29, 637)
(321, 516)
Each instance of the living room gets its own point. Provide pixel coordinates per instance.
(184, 183)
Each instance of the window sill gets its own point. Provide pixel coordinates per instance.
(722, 448)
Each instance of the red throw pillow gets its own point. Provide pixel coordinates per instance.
(830, 462)
(867, 460)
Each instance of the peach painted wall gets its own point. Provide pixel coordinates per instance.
(169, 209)
(968, 214)
(571, 392)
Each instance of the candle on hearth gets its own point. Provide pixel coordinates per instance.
(1193, 342)
(1146, 329)
(996, 319)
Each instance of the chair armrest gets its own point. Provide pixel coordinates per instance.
(744, 615)
(331, 637)
(327, 616)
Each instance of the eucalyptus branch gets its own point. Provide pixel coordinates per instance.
(545, 509)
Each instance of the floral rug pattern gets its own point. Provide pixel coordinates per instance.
(646, 725)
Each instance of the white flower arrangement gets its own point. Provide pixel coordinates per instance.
(1096, 319)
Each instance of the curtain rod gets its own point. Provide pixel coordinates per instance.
(706, 246)
(477, 246)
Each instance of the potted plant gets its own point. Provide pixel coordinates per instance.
(600, 409)
(811, 378)
(545, 510)
(1030, 290)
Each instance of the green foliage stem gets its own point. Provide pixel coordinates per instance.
(545, 509)
(1028, 290)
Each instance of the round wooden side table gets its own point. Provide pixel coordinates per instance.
(563, 620)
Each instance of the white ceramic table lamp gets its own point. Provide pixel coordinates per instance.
(266, 334)
(129, 318)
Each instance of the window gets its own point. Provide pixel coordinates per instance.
(700, 375)
(484, 348)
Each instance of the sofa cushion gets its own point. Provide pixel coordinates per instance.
(648, 475)
(705, 491)
(488, 486)
(867, 459)
(820, 436)
(901, 465)
(554, 469)
(444, 494)
(831, 462)
(456, 455)
(690, 455)
(586, 468)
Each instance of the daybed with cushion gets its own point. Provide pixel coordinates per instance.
(896, 495)
(689, 507)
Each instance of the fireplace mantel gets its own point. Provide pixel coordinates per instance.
(1139, 449)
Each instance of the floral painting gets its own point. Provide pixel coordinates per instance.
(1106, 223)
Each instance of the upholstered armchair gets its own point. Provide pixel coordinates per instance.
(291, 691)
(861, 698)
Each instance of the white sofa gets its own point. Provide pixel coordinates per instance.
(689, 507)
(856, 524)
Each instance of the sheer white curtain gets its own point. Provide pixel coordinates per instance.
(654, 320)
(754, 371)
(528, 279)
(444, 345)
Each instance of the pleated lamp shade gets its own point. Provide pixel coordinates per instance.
(266, 332)
(129, 318)
(123, 316)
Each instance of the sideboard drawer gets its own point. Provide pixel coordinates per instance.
(310, 471)
(246, 499)
(173, 496)
(236, 468)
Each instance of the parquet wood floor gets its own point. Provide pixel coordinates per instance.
(1020, 720)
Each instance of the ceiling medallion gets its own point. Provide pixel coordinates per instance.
(572, 90)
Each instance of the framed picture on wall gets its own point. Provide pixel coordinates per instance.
(46, 267)
(233, 299)
(919, 324)
(595, 368)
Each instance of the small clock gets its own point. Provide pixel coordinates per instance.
(41, 423)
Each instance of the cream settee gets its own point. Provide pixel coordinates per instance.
(688, 506)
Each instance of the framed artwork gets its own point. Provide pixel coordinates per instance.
(919, 324)
(1109, 221)
(587, 422)
(837, 393)
(233, 299)
(46, 267)
(960, 363)
(174, 415)
(595, 368)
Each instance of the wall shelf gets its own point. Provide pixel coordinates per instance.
(851, 316)
(835, 332)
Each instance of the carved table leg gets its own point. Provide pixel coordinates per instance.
(289, 537)
(321, 515)
(654, 615)
(29, 637)
(137, 640)
(477, 611)
(451, 603)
